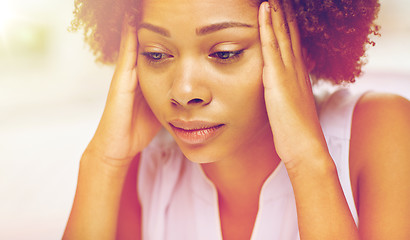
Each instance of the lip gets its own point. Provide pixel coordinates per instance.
(195, 132)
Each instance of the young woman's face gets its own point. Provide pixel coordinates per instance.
(200, 68)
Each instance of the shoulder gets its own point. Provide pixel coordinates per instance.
(380, 166)
(380, 124)
(383, 105)
(380, 131)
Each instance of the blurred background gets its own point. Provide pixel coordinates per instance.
(52, 94)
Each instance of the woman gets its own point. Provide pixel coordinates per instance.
(229, 80)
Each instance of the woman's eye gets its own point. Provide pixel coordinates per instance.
(156, 57)
(226, 56)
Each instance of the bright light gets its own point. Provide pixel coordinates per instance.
(6, 15)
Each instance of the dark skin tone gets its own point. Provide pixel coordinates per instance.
(380, 130)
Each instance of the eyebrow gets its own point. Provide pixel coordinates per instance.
(219, 26)
(199, 31)
(160, 30)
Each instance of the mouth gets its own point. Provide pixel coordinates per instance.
(195, 132)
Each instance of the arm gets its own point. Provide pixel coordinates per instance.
(97, 200)
(323, 212)
(109, 162)
(129, 214)
(321, 207)
(380, 163)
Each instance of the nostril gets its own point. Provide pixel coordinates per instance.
(195, 100)
(174, 102)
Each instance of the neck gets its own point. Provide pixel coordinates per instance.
(239, 179)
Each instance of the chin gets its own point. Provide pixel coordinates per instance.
(199, 154)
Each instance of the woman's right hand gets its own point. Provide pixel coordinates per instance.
(127, 125)
(126, 128)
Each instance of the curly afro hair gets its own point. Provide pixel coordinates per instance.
(335, 33)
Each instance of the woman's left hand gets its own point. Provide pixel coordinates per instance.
(288, 93)
(297, 133)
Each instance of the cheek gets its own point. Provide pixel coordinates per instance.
(251, 71)
(151, 89)
(251, 92)
(250, 84)
(144, 82)
(254, 71)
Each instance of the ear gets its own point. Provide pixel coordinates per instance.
(309, 62)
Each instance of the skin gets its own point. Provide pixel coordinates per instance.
(271, 82)
(231, 93)
(380, 166)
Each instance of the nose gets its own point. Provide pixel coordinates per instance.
(190, 87)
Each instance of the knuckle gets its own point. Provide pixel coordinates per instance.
(271, 44)
(274, 45)
(285, 27)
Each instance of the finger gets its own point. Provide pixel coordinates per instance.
(293, 29)
(125, 76)
(270, 47)
(281, 31)
(127, 57)
(120, 100)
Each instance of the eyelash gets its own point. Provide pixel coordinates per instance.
(153, 59)
(223, 57)
(232, 56)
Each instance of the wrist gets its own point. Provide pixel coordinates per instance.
(312, 167)
(319, 198)
(111, 151)
(97, 200)
(93, 160)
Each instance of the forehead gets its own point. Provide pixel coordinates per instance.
(198, 12)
